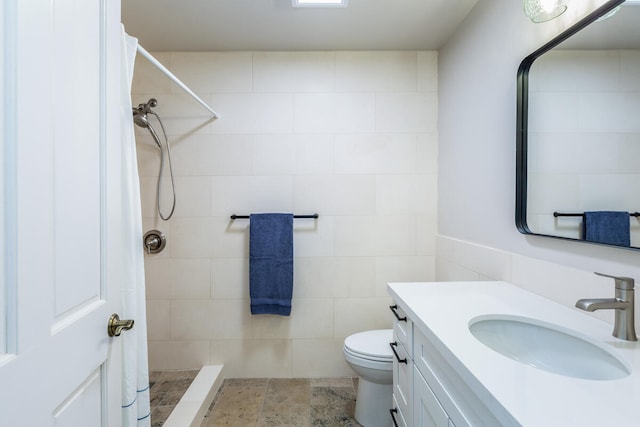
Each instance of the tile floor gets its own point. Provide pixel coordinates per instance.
(166, 389)
(297, 402)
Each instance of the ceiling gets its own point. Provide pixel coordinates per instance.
(215, 25)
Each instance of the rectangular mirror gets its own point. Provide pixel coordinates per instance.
(578, 152)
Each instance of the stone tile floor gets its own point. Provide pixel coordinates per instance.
(261, 402)
(166, 389)
(296, 402)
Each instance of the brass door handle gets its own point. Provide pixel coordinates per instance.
(116, 326)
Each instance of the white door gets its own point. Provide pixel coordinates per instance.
(60, 129)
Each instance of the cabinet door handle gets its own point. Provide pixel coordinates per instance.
(393, 346)
(393, 417)
(395, 313)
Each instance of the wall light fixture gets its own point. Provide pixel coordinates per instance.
(543, 10)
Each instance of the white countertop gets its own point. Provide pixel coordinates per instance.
(532, 396)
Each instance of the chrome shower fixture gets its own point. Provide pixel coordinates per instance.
(140, 117)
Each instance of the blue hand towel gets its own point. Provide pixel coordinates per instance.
(607, 227)
(271, 263)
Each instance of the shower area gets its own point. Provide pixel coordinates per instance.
(298, 132)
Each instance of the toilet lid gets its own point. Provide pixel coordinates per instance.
(373, 344)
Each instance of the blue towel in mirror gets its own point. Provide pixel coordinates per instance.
(271, 263)
(609, 227)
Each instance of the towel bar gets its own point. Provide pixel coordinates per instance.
(557, 214)
(234, 216)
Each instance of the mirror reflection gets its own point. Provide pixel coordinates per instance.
(583, 140)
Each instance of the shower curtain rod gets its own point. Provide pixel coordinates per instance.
(142, 51)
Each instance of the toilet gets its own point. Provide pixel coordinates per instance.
(369, 355)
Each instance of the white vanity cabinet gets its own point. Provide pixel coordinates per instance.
(414, 403)
(452, 378)
(402, 347)
(427, 411)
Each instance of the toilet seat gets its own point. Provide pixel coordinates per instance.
(370, 345)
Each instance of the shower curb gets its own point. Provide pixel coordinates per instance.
(193, 406)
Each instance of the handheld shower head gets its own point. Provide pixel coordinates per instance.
(141, 119)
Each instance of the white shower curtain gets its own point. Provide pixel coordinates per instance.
(135, 379)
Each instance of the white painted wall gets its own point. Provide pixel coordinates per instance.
(349, 135)
(477, 134)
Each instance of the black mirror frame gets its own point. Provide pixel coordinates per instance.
(522, 116)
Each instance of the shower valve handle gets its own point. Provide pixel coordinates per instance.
(154, 241)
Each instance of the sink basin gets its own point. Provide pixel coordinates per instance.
(548, 347)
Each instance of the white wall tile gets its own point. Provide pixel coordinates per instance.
(192, 195)
(274, 154)
(590, 70)
(230, 278)
(376, 71)
(403, 269)
(483, 260)
(550, 193)
(310, 318)
(211, 155)
(361, 314)
(213, 72)
(335, 194)
(299, 132)
(319, 358)
(252, 358)
(396, 194)
(630, 70)
(178, 354)
(253, 113)
(210, 319)
(390, 235)
(148, 156)
(447, 271)
(427, 71)
(628, 152)
(209, 237)
(609, 112)
(314, 237)
(148, 196)
(426, 230)
(158, 316)
(293, 71)
(406, 112)
(608, 192)
(177, 278)
(322, 277)
(252, 194)
(148, 79)
(292, 154)
(334, 113)
(544, 116)
(375, 153)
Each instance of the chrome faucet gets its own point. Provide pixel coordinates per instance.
(623, 304)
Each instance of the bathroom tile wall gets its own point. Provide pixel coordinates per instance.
(576, 97)
(466, 261)
(349, 135)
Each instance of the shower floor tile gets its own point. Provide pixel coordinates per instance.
(166, 389)
(279, 402)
